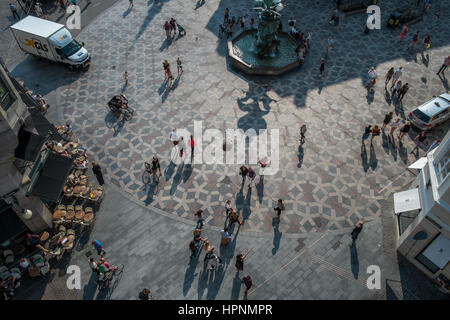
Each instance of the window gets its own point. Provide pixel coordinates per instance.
(422, 116)
(443, 167)
(5, 97)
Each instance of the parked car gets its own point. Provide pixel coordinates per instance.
(431, 113)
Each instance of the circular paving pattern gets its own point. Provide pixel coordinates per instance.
(327, 184)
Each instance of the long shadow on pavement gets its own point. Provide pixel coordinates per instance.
(354, 262)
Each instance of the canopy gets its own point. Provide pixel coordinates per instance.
(406, 201)
(49, 175)
(29, 145)
(419, 164)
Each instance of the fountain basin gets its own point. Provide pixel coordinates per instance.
(243, 55)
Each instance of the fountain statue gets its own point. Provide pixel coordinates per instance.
(267, 41)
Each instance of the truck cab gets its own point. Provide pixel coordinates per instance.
(69, 50)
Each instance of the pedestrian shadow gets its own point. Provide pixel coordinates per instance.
(169, 171)
(402, 152)
(373, 159)
(127, 12)
(393, 148)
(187, 172)
(365, 164)
(444, 82)
(150, 190)
(399, 110)
(110, 119)
(124, 87)
(199, 4)
(384, 141)
(163, 87)
(190, 274)
(166, 93)
(425, 60)
(354, 262)
(90, 288)
(236, 289)
(176, 180)
(151, 13)
(85, 7)
(260, 189)
(176, 82)
(202, 281)
(387, 96)
(214, 285)
(276, 235)
(370, 95)
(166, 44)
(118, 127)
(301, 154)
(246, 211)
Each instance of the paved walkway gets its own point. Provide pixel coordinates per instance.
(327, 185)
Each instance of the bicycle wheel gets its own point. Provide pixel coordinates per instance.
(120, 268)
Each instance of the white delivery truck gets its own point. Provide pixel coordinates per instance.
(50, 40)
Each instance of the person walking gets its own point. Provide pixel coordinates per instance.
(234, 217)
(226, 15)
(397, 74)
(97, 170)
(239, 264)
(375, 132)
(243, 171)
(434, 145)
(403, 33)
(252, 176)
(302, 133)
(228, 207)
(280, 207)
(336, 19)
(248, 283)
(397, 88)
(38, 10)
(403, 91)
(125, 77)
(225, 237)
(166, 28)
(404, 130)
(173, 137)
(420, 139)
(169, 77)
(99, 247)
(444, 65)
(200, 219)
(330, 43)
(179, 67)
(252, 22)
(394, 126)
(131, 4)
(173, 26)
(322, 66)
(193, 247)
(426, 43)
(166, 65)
(14, 11)
(389, 75)
(192, 145)
(414, 40)
(145, 294)
(357, 230)
(372, 74)
(93, 265)
(366, 135)
(387, 119)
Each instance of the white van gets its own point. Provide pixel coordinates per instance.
(50, 40)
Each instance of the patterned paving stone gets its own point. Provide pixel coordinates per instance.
(327, 184)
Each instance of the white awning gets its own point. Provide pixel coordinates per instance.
(438, 251)
(406, 201)
(419, 164)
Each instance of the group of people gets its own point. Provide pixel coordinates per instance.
(229, 23)
(168, 73)
(171, 27)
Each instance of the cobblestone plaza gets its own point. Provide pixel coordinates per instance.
(327, 183)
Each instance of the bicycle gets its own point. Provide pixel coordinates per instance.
(108, 276)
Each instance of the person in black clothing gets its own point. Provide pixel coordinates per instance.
(366, 135)
(98, 173)
(357, 230)
(402, 91)
(404, 130)
(280, 26)
(248, 283)
(145, 294)
(243, 171)
(280, 207)
(322, 66)
(240, 261)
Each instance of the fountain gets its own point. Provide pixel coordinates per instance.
(265, 51)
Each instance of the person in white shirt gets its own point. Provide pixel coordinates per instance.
(372, 76)
(173, 137)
